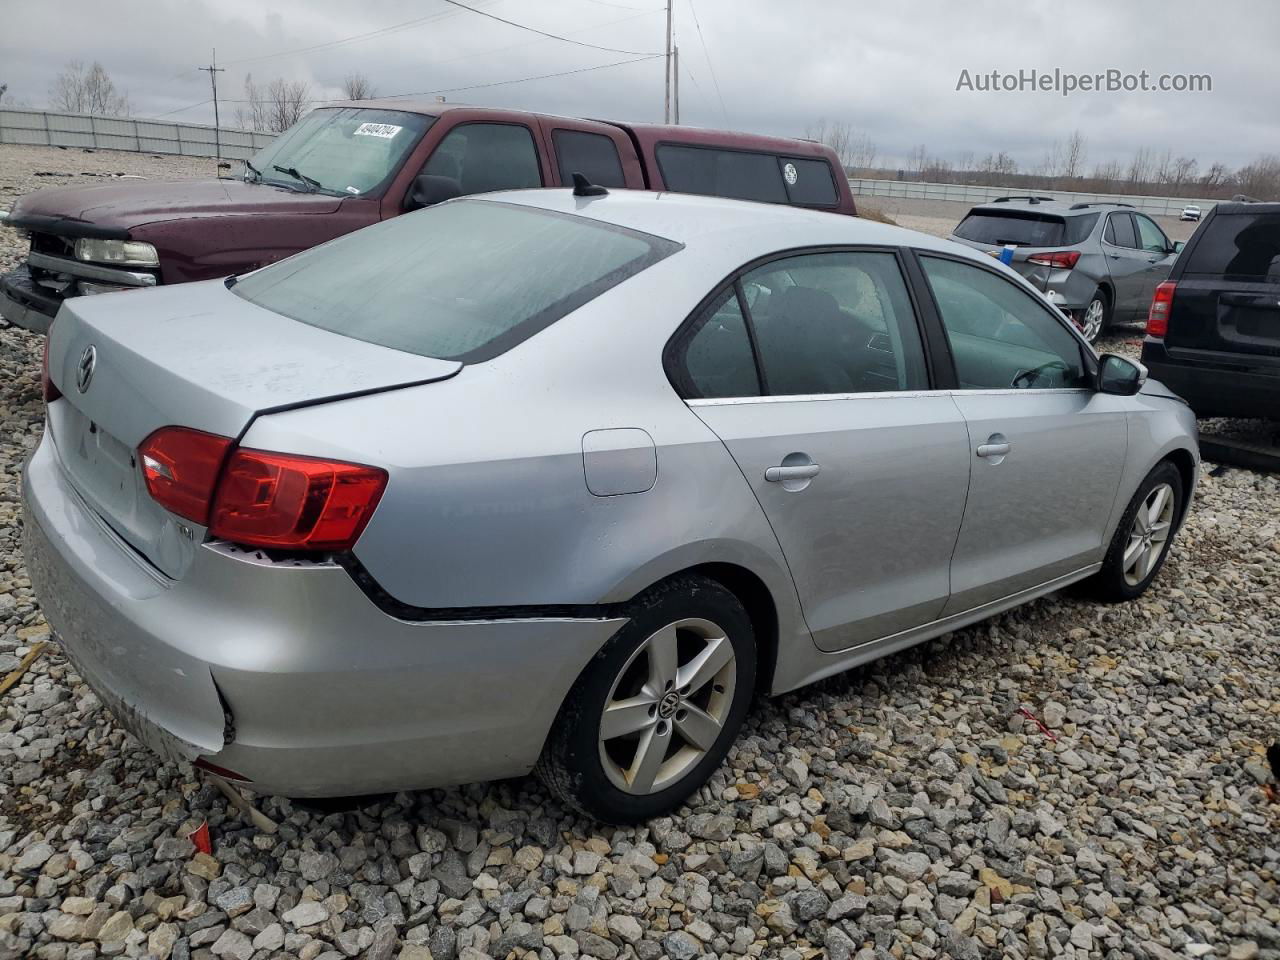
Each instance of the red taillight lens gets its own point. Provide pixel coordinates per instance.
(294, 503)
(180, 466)
(1161, 305)
(47, 387)
(1064, 260)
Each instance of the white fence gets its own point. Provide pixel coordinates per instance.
(42, 128)
(967, 193)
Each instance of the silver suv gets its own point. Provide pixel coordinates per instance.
(1099, 262)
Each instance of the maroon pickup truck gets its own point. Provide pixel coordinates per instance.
(350, 165)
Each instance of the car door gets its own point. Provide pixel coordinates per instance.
(1158, 252)
(1046, 450)
(1127, 264)
(811, 369)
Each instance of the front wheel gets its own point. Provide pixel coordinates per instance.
(656, 710)
(1141, 542)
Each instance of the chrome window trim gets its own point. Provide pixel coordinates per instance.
(883, 394)
(89, 271)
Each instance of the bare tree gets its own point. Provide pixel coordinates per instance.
(855, 150)
(1261, 178)
(275, 107)
(1140, 167)
(918, 159)
(1074, 154)
(78, 89)
(1214, 177)
(356, 86)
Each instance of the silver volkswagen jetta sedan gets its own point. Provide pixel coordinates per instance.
(539, 480)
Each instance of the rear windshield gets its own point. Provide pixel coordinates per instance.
(465, 280)
(1245, 245)
(1025, 229)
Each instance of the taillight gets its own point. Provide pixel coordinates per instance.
(180, 466)
(294, 503)
(1161, 305)
(47, 387)
(1063, 260)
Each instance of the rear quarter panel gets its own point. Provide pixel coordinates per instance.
(487, 503)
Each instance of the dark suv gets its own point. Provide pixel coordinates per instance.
(1099, 262)
(1213, 331)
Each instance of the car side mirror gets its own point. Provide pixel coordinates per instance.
(1119, 375)
(1178, 246)
(428, 189)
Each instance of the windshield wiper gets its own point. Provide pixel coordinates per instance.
(254, 170)
(293, 172)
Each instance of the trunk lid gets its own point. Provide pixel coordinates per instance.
(1227, 298)
(194, 356)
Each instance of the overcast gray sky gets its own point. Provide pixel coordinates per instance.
(887, 69)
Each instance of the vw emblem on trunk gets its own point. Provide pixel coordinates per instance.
(84, 369)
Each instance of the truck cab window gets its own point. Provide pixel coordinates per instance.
(483, 157)
(593, 155)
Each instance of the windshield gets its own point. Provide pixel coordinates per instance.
(348, 151)
(465, 280)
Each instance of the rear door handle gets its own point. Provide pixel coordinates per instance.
(998, 449)
(806, 471)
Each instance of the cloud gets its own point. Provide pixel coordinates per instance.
(890, 71)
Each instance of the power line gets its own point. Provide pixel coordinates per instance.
(526, 43)
(544, 33)
(191, 106)
(482, 86)
(706, 53)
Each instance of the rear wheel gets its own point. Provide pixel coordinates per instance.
(1141, 542)
(658, 707)
(1095, 317)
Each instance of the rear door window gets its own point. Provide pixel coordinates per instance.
(1016, 227)
(593, 155)
(483, 157)
(738, 174)
(464, 280)
(809, 182)
(1120, 230)
(1244, 246)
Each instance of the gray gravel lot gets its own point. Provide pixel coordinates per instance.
(906, 809)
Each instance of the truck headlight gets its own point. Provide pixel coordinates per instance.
(124, 253)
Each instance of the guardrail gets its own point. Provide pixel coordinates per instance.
(49, 129)
(969, 193)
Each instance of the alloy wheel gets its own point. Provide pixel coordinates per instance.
(1149, 535)
(1091, 324)
(668, 706)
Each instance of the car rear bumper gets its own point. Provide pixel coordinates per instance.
(23, 305)
(1223, 390)
(286, 673)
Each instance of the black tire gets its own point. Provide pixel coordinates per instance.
(1109, 583)
(571, 764)
(1100, 297)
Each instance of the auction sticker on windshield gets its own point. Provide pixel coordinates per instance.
(384, 130)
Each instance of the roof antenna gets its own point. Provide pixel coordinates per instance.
(582, 187)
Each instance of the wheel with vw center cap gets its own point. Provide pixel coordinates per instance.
(658, 707)
(1143, 537)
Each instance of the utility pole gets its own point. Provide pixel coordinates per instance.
(676, 82)
(213, 70)
(666, 109)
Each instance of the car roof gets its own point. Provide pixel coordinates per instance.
(1249, 207)
(691, 218)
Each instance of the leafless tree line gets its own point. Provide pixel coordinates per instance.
(1064, 167)
(81, 89)
(856, 150)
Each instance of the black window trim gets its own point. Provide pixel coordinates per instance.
(1116, 243)
(936, 375)
(1089, 359)
(785, 158)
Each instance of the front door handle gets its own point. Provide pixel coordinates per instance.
(993, 448)
(805, 471)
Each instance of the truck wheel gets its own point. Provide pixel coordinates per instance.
(1096, 317)
(656, 710)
